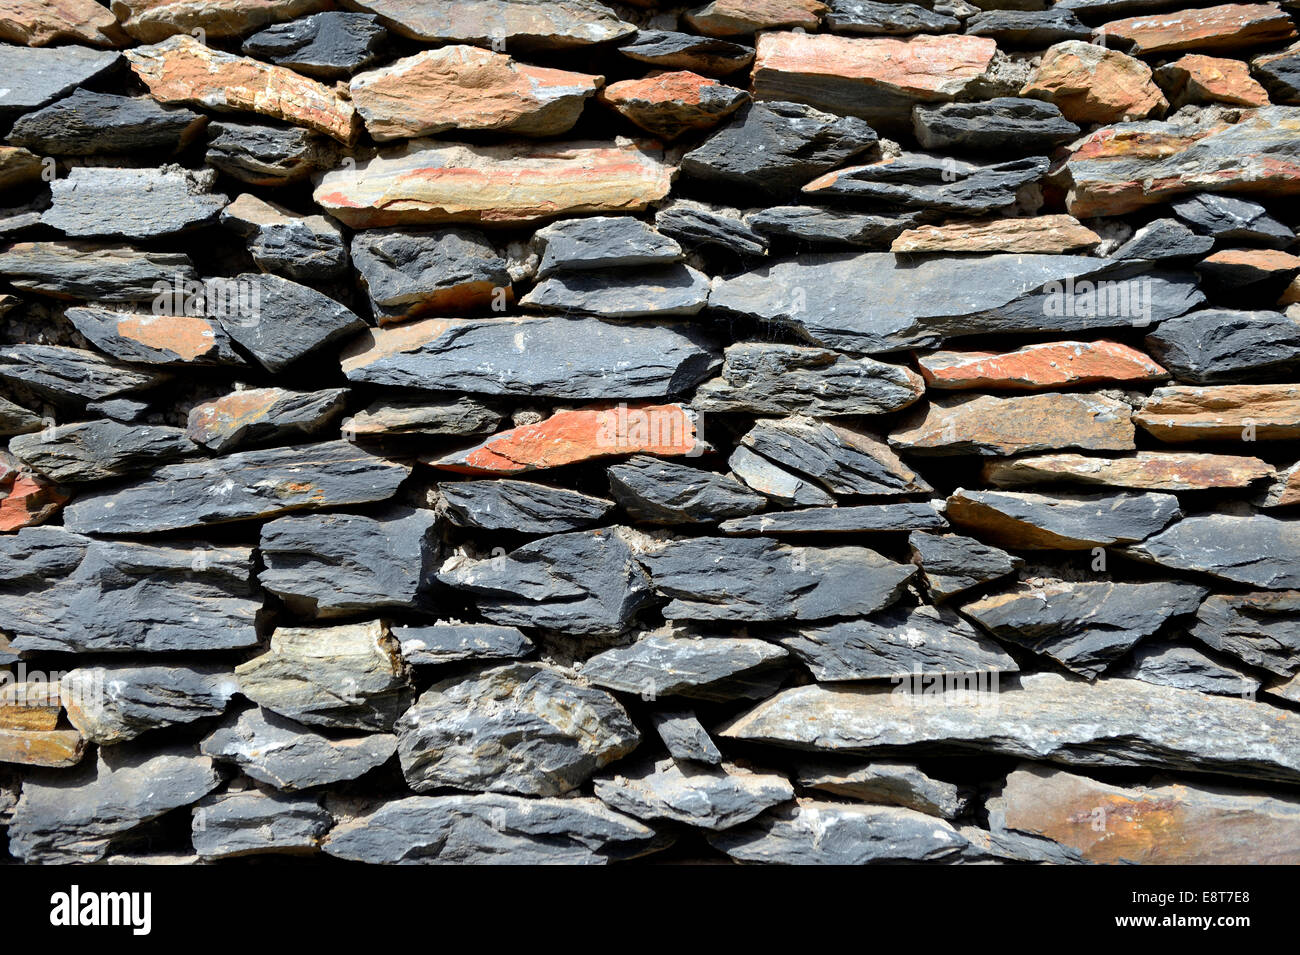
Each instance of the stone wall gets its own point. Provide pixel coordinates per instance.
(773, 431)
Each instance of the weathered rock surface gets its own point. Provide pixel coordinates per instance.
(345, 677)
(134, 203)
(26, 498)
(522, 728)
(286, 320)
(1226, 27)
(887, 782)
(887, 19)
(298, 247)
(818, 225)
(148, 339)
(1214, 346)
(1109, 823)
(685, 737)
(951, 563)
(1280, 73)
(1093, 84)
(237, 824)
(153, 20)
(1196, 78)
(453, 642)
(686, 51)
(584, 583)
(841, 459)
(1145, 470)
(92, 271)
(99, 450)
(665, 492)
(501, 504)
(1231, 219)
(670, 663)
(698, 225)
(42, 22)
(755, 580)
(774, 483)
(1051, 365)
(87, 123)
(1057, 234)
(927, 181)
(1222, 413)
(289, 756)
(72, 375)
(705, 797)
(1173, 664)
(37, 76)
(1084, 626)
(1062, 521)
(118, 703)
(183, 70)
(776, 147)
(672, 104)
(410, 272)
(602, 242)
(1001, 124)
(491, 830)
(668, 290)
(52, 749)
(15, 419)
(1164, 239)
(1048, 716)
(770, 378)
(263, 416)
(464, 87)
(240, 486)
(325, 45)
(267, 155)
(1257, 550)
(73, 817)
(864, 518)
(1259, 629)
(432, 183)
(331, 565)
(1028, 28)
(65, 592)
(742, 17)
(522, 24)
(421, 417)
(895, 644)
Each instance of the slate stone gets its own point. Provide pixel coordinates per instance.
(1035, 29)
(132, 203)
(697, 225)
(865, 518)
(828, 833)
(119, 409)
(844, 461)
(665, 492)
(685, 737)
(775, 483)
(527, 26)
(1164, 239)
(349, 676)
(72, 374)
(90, 124)
(887, 19)
(686, 51)
(325, 45)
(421, 417)
(65, 592)
(585, 583)
(895, 644)
(1049, 717)
(776, 147)
(522, 728)
(99, 450)
(1280, 73)
(999, 847)
(1260, 551)
(1085, 626)
(887, 782)
(1260, 629)
(241, 486)
(117, 703)
(408, 271)
(491, 830)
(1027, 521)
(268, 155)
(818, 225)
(289, 756)
(756, 579)
(333, 565)
(287, 322)
(74, 816)
(146, 338)
(235, 825)
(1230, 219)
(1173, 664)
(932, 182)
(951, 563)
(1254, 273)
(15, 419)
(704, 797)
(263, 416)
(439, 643)
(298, 247)
(602, 242)
(672, 290)
(1225, 346)
(534, 357)
(771, 378)
(915, 302)
(92, 271)
(673, 663)
(1145, 470)
(36, 76)
(996, 125)
(523, 506)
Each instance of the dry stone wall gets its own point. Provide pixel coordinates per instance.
(540, 431)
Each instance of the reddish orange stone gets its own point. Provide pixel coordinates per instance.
(671, 104)
(1050, 365)
(1226, 27)
(26, 499)
(1196, 78)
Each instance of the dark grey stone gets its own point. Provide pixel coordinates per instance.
(672, 290)
(110, 330)
(1173, 664)
(685, 737)
(1002, 124)
(775, 483)
(686, 51)
(887, 782)
(1257, 550)
(937, 183)
(34, 76)
(1230, 219)
(705, 797)
(673, 663)
(92, 271)
(602, 242)
(72, 374)
(1164, 239)
(89, 124)
(844, 461)
(306, 248)
(1028, 521)
(289, 321)
(264, 416)
(99, 450)
(865, 518)
(821, 226)
(951, 563)
(1259, 629)
(1028, 28)
(117, 703)
(886, 19)
(15, 419)
(326, 45)
(268, 155)
(238, 824)
(421, 417)
(664, 492)
(698, 226)
(501, 504)
(102, 201)
(1280, 75)
(119, 409)
(439, 643)
(1223, 346)
(406, 271)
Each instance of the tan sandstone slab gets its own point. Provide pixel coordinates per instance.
(1050, 234)
(1145, 470)
(1091, 84)
(1049, 365)
(152, 20)
(1198, 78)
(1227, 27)
(1222, 413)
(42, 22)
(740, 17)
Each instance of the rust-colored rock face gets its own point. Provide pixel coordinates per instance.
(152, 20)
(998, 426)
(183, 70)
(18, 167)
(42, 22)
(465, 87)
(1198, 78)
(1222, 413)
(584, 434)
(1033, 234)
(1091, 84)
(1145, 471)
(673, 104)
(1051, 365)
(739, 17)
(429, 183)
(1227, 27)
(1173, 824)
(26, 498)
(53, 748)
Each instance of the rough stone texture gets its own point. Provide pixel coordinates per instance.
(665, 492)
(415, 417)
(841, 459)
(775, 483)
(522, 728)
(669, 290)
(118, 703)
(1062, 521)
(526, 24)
(1214, 346)
(1145, 471)
(236, 824)
(602, 242)
(1091, 84)
(705, 797)
(1284, 491)
(99, 450)
(1048, 716)
(685, 51)
(501, 504)
(1280, 73)
(1004, 123)
(685, 738)
(87, 124)
(72, 375)
(153, 20)
(1053, 365)
(1173, 664)
(1164, 239)
(325, 45)
(148, 339)
(1052, 234)
(267, 155)
(26, 498)
(1197, 78)
(1258, 550)
(673, 104)
(92, 271)
(821, 226)
(864, 518)
(925, 181)
(298, 247)
(683, 663)
(1259, 629)
(134, 203)
(1226, 27)
(453, 642)
(951, 563)
(36, 77)
(464, 87)
(741, 17)
(886, 782)
(1231, 219)
(42, 22)
(893, 19)
(410, 272)
(263, 416)
(1028, 28)
(1222, 413)
(287, 321)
